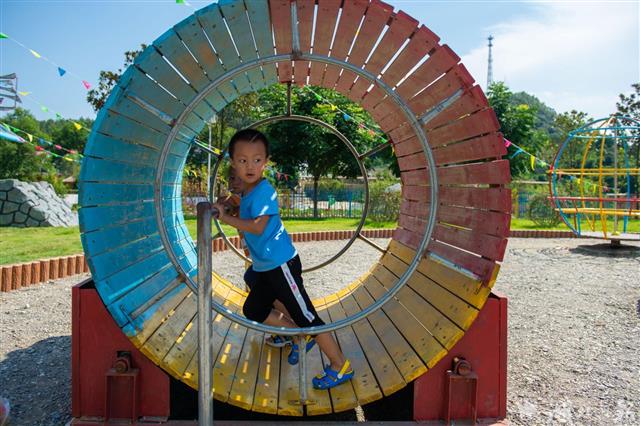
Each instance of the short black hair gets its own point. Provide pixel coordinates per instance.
(248, 135)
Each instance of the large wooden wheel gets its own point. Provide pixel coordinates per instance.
(142, 257)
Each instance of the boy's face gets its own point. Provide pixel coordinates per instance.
(249, 160)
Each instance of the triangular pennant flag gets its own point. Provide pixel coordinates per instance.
(515, 154)
(58, 116)
(371, 133)
(346, 117)
(39, 148)
(86, 84)
(30, 136)
(533, 162)
(61, 71)
(179, 1)
(3, 35)
(34, 53)
(78, 126)
(58, 146)
(333, 107)
(44, 108)
(507, 142)
(24, 93)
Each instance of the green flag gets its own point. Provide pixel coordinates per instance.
(3, 35)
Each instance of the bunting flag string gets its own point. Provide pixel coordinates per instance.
(61, 71)
(44, 108)
(41, 141)
(519, 150)
(7, 133)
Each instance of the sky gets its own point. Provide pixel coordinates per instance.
(570, 54)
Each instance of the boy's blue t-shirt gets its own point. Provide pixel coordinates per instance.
(274, 247)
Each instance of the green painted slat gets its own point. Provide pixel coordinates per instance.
(258, 11)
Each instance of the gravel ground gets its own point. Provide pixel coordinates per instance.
(574, 332)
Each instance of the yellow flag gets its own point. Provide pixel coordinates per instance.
(77, 125)
(34, 53)
(533, 162)
(30, 137)
(24, 93)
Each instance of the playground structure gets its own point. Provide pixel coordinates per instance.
(397, 321)
(592, 181)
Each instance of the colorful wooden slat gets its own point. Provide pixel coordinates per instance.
(258, 13)
(456, 79)
(327, 14)
(244, 383)
(265, 399)
(484, 147)
(440, 61)
(420, 44)
(401, 28)
(489, 173)
(470, 101)
(305, 11)
(280, 11)
(480, 123)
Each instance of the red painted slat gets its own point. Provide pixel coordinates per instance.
(421, 43)
(488, 246)
(281, 19)
(402, 133)
(372, 98)
(325, 26)
(498, 199)
(480, 123)
(490, 173)
(472, 100)
(401, 27)
(358, 90)
(412, 162)
(457, 78)
(305, 11)
(375, 20)
(345, 82)
(478, 265)
(442, 59)
(483, 147)
(418, 177)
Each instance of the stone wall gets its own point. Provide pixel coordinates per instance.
(24, 204)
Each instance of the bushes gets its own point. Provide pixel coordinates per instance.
(541, 211)
(384, 204)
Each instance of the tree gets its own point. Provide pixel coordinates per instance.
(564, 124)
(108, 79)
(516, 124)
(630, 106)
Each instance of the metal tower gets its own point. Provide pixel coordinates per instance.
(490, 66)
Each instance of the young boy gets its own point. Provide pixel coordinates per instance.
(277, 267)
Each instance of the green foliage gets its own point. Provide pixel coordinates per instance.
(541, 211)
(384, 204)
(630, 105)
(544, 115)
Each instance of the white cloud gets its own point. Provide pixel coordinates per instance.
(571, 55)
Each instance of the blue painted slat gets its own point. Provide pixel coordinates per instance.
(94, 169)
(180, 149)
(193, 36)
(107, 264)
(194, 122)
(235, 14)
(138, 84)
(146, 116)
(152, 64)
(120, 127)
(216, 100)
(144, 291)
(92, 194)
(258, 11)
(93, 218)
(175, 161)
(105, 147)
(213, 25)
(228, 91)
(115, 236)
(139, 321)
(171, 47)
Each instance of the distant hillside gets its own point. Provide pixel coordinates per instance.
(544, 115)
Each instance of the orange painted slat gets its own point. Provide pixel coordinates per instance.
(281, 19)
(325, 26)
(401, 27)
(421, 43)
(352, 13)
(305, 11)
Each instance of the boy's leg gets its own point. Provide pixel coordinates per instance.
(330, 347)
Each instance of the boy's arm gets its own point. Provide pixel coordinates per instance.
(253, 226)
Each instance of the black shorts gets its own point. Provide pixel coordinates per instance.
(284, 284)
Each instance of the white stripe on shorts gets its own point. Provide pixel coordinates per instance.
(296, 292)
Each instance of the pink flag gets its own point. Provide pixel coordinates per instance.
(507, 143)
(86, 84)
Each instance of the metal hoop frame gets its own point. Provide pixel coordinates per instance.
(353, 151)
(431, 167)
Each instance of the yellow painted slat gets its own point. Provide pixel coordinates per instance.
(288, 388)
(438, 325)
(453, 307)
(469, 289)
(266, 394)
(321, 399)
(159, 344)
(385, 370)
(423, 342)
(342, 397)
(364, 382)
(402, 354)
(227, 361)
(244, 383)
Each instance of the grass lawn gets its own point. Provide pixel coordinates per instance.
(27, 244)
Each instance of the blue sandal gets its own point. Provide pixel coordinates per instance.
(294, 356)
(331, 378)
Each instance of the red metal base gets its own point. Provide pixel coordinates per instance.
(98, 391)
(484, 345)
